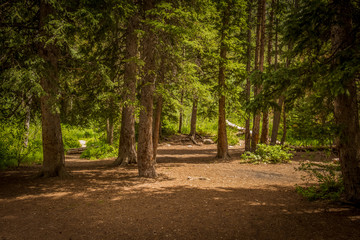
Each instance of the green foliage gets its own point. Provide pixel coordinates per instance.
(70, 142)
(72, 135)
(206, 127)
(13, 151)
(329, 181)
(232, 139)
(268, 154)
(98, 149)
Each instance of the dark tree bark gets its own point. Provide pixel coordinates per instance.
(53, 149)
(193, 117)
(248, 85)
(283, 139)
(222, 145)
(127, 151)
(259, 65)
(277, 112)
(109, 131)
(283, 98)
(345, 105)
(181, 111)
(157, 123)
(27, 124)
(265, 128)
(276, 121)
(265, 125)
(146, 161)
(110, 124)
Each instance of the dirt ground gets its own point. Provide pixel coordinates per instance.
(195, 197)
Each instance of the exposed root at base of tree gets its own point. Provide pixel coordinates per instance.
(61, 173)
(123, 162)
(148, 173)
(192, 138)
(225, 157)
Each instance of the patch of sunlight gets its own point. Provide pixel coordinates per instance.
(9, 217)
(354, 218)
(45, 195)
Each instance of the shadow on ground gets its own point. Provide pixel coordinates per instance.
(99, 202)
(173, 213)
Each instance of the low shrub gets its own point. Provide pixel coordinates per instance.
(268, 154)
(70, 142)
(99, 150)
(13, 150)
(329, 181)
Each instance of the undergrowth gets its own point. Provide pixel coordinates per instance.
(268, 154)
(329, 181)
(98, 149)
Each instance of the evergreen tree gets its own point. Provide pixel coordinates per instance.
(127, 150)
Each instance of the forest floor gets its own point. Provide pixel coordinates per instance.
(195, 197)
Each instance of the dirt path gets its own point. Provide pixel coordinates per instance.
(195, 197)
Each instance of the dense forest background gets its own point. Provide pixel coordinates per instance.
(123, 74)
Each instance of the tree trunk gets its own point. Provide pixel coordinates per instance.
(346, 114)
(146, 161)
(27, 124)
(53, 149)
(248, 85)
(256, 126)
(222, 145)
(110, 130)
(157, 123)
(265, 128)
(265, 125)
(127, 149)
(259, 65)
(345, 105)
(283, 139)
(277, 112)
(276, 121)
(193, 118)
(181, 111)
(276, 34)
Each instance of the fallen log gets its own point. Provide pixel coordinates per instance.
(76, 150)
(241, 129)
(234, 126)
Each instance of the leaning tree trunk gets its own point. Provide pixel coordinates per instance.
(146, 161)
(345, 105)
(222, 144)
(53, 149)
(127, 149)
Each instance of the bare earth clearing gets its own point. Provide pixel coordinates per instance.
(195, 197)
